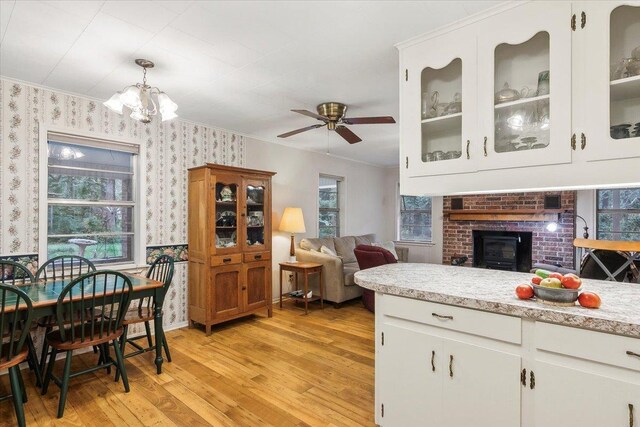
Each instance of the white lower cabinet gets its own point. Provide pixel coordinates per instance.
(444, 366)
(570, 397)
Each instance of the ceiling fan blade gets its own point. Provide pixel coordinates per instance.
(297, 131)
(310, 114)
(349, 136)
(368, 120)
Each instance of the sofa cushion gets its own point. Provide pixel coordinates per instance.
(365, 239)
(344, 248)
(327, 251)
(390, 246)
(349, 270)
(314, 244)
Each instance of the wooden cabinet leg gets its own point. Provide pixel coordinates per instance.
(321, 290)
(280, 291)
(306, 290)
(207, 330)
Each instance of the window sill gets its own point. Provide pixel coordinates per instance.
(413, 243)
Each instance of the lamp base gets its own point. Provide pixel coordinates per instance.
(292, 259)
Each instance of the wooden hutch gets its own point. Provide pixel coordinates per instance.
(229, 215)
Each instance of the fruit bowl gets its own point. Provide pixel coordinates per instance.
(556, 296)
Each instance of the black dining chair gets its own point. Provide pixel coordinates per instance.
(107, 291)
(59, 268)
(16, 274)
(16, 315)
(143, 312)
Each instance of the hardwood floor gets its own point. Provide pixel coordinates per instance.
(290, 370)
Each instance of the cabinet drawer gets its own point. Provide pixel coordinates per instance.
(482, 323)
(257, 256)
(584, 344)
(226, 259)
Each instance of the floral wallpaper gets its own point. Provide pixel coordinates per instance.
(172, 148)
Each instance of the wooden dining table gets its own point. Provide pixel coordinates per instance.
(44, 296)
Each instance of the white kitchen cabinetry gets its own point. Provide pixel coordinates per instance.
(551, 135)
(446, 366)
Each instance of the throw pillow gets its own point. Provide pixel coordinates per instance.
(327, 251)
(390, 246)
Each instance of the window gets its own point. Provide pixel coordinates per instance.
(415, 218)
(618, 214)
(90, 199)
(329, 206)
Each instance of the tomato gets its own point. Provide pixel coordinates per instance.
(536, 280)
(589, 300)
(524, 291)
(571, 281)
(556, 275)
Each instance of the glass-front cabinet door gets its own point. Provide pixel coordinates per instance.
(524, 86)
(439, 106)
(254, 214)
(612, 80)
(227, 193)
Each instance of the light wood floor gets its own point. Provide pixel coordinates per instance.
(292, 369)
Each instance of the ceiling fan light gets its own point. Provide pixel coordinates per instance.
(168, 115)
(114, 103)
(131, 97)
(166, 104)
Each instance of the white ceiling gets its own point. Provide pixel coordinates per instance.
(239, 65)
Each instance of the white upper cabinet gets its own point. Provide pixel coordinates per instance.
(612, 83)
(524, 91)
(439, 105)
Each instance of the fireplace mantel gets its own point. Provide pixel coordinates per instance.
(540, 215)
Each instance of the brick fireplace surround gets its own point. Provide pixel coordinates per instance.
(549, 247)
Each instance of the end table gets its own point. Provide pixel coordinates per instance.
(307, 269)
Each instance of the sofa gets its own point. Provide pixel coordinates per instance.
(338, 270)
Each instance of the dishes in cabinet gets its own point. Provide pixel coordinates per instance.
(624, 68)
(432, 107)
(620, 131)
(226, 219)
(543, 83)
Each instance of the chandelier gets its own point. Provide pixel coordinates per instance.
(139, 98)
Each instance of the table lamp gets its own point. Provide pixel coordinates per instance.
(292, 222)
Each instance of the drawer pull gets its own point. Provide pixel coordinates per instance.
(451, 366)
(226, 260)
(257, 257)
(485, 146)
(439, 316)
(630, 415)
(433, 365)
(468, 143)
(532, 380)
(631, 353)
(523, 377)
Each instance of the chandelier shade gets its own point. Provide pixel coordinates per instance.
(139, 98)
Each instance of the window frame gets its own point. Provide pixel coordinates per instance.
(612, 211)
(139, 202)
(339, 199)
(399, 212)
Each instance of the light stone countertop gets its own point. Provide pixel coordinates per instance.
(494, 291)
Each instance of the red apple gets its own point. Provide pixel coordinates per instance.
(571, 281)
(589, 300)
(556, 275)
(536, 280)
(524, 291)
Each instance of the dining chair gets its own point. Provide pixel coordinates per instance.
(15, 274)
(16, 314)
(59, 268)
(162, 271)
(107, 291)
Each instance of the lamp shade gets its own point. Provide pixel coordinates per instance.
(292, 221)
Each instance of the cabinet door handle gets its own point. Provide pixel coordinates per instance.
(583, 19)
(583, 141)
(631, 353)
(573, 142)
(439, 316)
(468, 143)
(523, 377)
(485, 146)
(433, 364)
(257, 257)
(573, 22)
(244, 288)
(532, 380)
(226, 260)
(451, 365)
(630, 415)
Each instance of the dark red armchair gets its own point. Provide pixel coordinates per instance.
(369, 257)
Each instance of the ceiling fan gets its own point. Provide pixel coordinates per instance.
(332, 116)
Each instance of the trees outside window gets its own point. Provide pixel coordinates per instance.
(618, 214)
(90, 202)
(415, 218)
(329, 206)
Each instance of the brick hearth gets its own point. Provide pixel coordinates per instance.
(551, 247)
